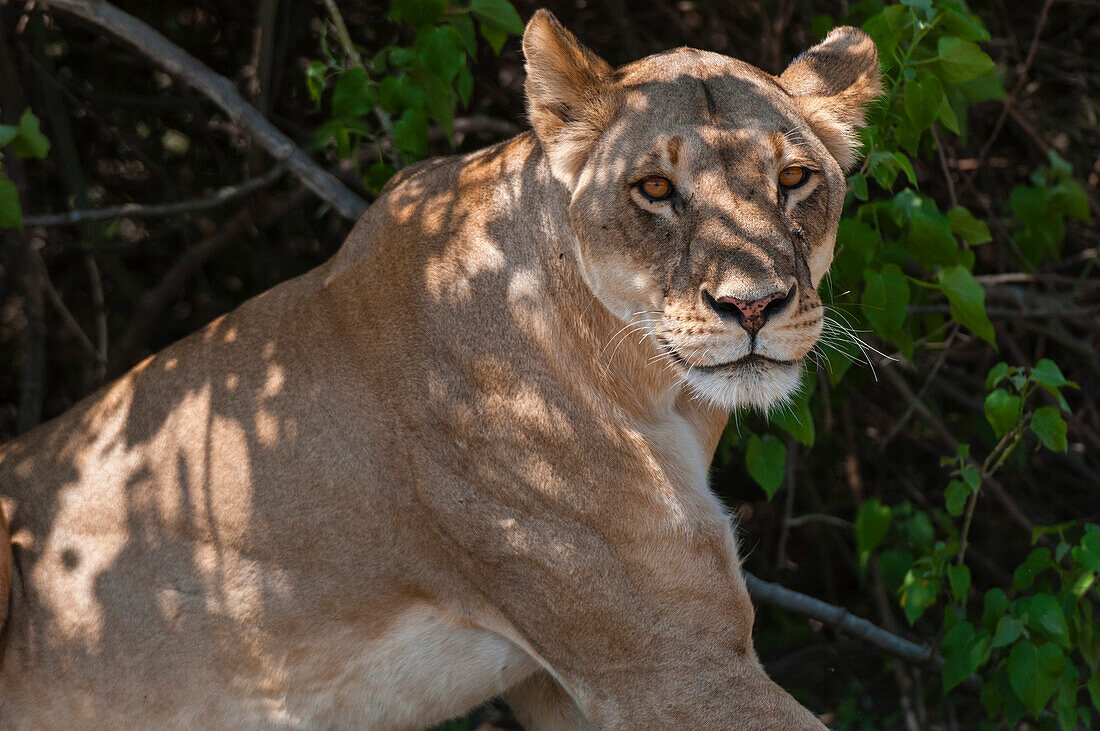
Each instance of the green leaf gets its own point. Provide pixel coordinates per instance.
(1069, 197)
(1037, 561)
(499, 15)
(996, 374)
(796, 419)
(495, 38)
(948, 117)
(440, 49)
(1045, 614)
(354, 94)
(885, 299)
(7, 133)
(965, 26)
(30, 142)
(859, 187)
(884, 27)
(963, 653)
(959, 578)
(930, 239)
(377, 176)
(342, 138)
(922, 101)
(410, 133)
(955, 497)
(996, 604)
(1049, 426)
(1094, 690)
(11, 215)
(315, 80)
(872, 523)
(1065, 698)
(1088, 553)
(1047, 373)
(906, 166)
(972, 231)
(983, 88)
(1021, 673)
(967, 299)
(464, 26)
(418, 13)
(1002, 410)
(961, 60)
(1008, 631)
(766, 460)
(465, 85)
(917, 593)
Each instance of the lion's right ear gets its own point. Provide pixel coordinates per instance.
(568, 94)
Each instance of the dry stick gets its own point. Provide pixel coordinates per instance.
(221, 91)
(952, 196)
(28, 277)
(766, 592)
(901, 422)
(1020, 81)
(155, 300)
(996, 488)
(73, 176)
(136, 210)
(59, 304)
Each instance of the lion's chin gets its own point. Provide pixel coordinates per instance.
(755, 382)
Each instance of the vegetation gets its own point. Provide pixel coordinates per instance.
(938, 470)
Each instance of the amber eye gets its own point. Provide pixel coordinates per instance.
(792, 177)
(656, 188)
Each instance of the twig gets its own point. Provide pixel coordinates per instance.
(35, 354)
(155, 300)
(951, 194)
(904, 419)
(1020, 81)
(73, 175)
(781, 560)
(59, 304)
(342, 32)
(766, 592)
(807, 518)
(221, 91)
(137, 210)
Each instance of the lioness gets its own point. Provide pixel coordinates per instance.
(468, 455)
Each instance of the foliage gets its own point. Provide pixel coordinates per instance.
(25, 140)
(403, 87)
(1033, 643)
(912, 275)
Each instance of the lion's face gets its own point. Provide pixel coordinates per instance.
(706, 196)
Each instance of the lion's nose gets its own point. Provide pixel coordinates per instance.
(752, 314)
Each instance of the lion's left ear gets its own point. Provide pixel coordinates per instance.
(833, 83)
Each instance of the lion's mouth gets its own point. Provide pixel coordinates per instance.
(746, 361)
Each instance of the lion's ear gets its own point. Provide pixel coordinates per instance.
(833, 83)
(567, 94)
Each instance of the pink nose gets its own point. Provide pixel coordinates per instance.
(753, 314)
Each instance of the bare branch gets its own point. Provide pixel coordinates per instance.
(765, 592)
(221, 91)
(154, 301)
(136, 210)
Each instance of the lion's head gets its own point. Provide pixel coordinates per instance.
(705, 195)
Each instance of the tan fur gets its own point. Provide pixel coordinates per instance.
(467, 455)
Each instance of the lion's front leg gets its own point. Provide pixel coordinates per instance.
(541, 704)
